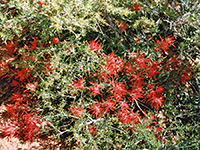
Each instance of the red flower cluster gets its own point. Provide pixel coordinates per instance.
(122, 26)
(92, 130)
(136, 7)
(25, 123)
(41, 3)
(117, 88)
(164, 44)
(94, 46)
(138, 71)
(33, 44)
(11, 47)
(79, 84)
(76, 111)
(113, 65)
(121, 84)
(55, 40)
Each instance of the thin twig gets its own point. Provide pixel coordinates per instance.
(141, 109)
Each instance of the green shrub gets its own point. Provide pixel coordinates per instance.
(70, 55)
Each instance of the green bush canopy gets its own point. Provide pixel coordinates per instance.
(103, 74)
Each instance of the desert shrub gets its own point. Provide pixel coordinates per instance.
(95, 72)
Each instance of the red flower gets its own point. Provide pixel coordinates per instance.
(156, 102)
(92, 130)
(153, 70)
(18, 98)
(118, 89)
(136, 94)
(41, 3)
(136, 7)
(55, 40)
(46, 44)
(15, 83)
(76, 111)
(113, 64)
(79, 84)
(9, 130)
(127, 117)
(158, 129)
(134, 117)
(122, 26)
(31, 126)
(96, 109)
(148, 127)
(22, 74)
(164, 44)
(141, 61)
(109, 105)
(185, 76)
(33, 44)
(94, 46)
(11, 47)
(95, 89)
(124, 106)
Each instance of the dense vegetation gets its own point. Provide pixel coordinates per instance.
(104, 74)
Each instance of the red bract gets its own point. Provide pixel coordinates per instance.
(79, 84)
(11, 47)
(129, 68)
(76, 111)
(12, 110)
(10, 130)
(41, 3)
(92, 130)
(142, 62)
(33, 44)
(124, 106)
(157, 133)
(23, 74)
(18, 98)
(31, 126)
(185, 76)
(136, 93)
(113, 64)
(128, 117)
(27, 125)
(138, 81)
(156, 102)
(164, 44)
(95, 89)
(124, 118)
(94, 46)
(55, 40)
(46, 44)
(118, 89)
(158, 129)
(136, 7)
(153, 70)
(134, 117)
(15, 83)
(155, 92)
(108, 105)
(96, 109)
(122, 26)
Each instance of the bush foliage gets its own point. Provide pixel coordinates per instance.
(104, 74)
